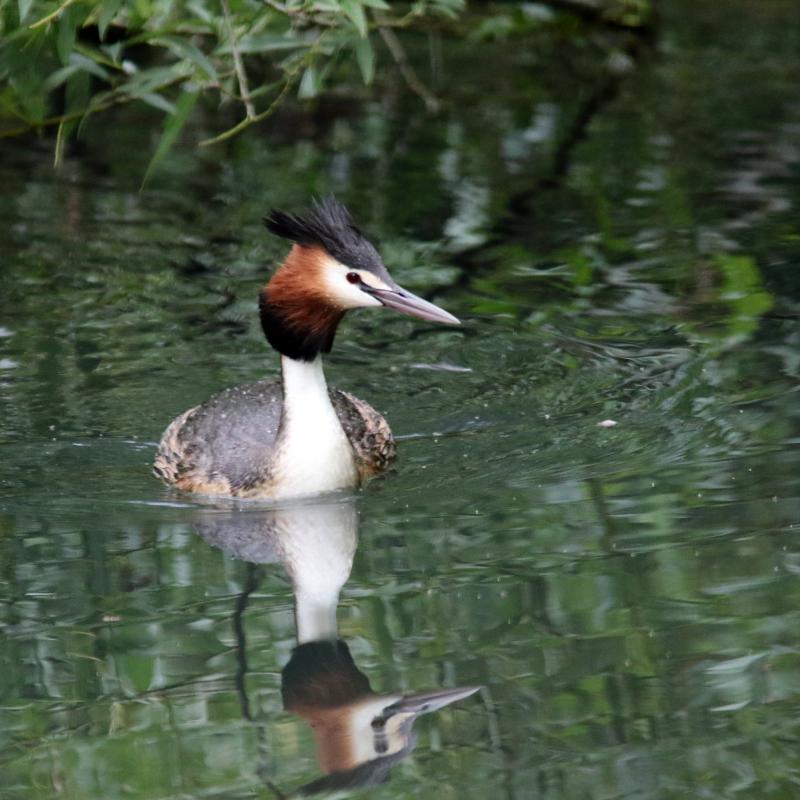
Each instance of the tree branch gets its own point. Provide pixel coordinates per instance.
(238, 63)
(54, 15)
(406, 70)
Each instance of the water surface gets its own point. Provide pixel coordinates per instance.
(617, 225)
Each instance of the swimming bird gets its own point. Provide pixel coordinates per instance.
(295, 436)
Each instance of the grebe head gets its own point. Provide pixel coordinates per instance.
(330, 269)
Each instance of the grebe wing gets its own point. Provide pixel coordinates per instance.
(225, 445)
(368, 432)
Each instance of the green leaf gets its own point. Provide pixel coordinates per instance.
(77, 91)
(193, 54)
(263, 43)
(86, 64)
(383, 6)
(30, 94)
(355, 12)
(172, 127)
(77, 63)
(108, 11)
(309, 84)
(158, 101)
(97, 56)
(151, 80)
(365, 56)
(55, 79)
(76, 98)
(500, 26)
(113, 51)
(23, 6)
(67, 25)
(449, 8)
(199, 9)
(95, 104)
(64, 129)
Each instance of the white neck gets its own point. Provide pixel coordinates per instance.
(303, 381)
(314, 454)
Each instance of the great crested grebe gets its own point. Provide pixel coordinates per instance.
(294, 437)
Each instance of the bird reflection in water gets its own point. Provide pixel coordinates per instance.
(359, 734)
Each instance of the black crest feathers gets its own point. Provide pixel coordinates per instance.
(328, 222)
(330, 226)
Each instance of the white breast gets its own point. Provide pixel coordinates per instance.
(313, 453)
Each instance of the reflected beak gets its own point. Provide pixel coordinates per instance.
(406, 303)
(426, 702)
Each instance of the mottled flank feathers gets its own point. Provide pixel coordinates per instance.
(227, 445)
(367, 431)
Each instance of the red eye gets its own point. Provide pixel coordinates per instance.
(353, 277)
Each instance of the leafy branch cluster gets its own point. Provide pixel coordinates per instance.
(61, 62)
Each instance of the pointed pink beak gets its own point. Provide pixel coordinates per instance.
(407, 303)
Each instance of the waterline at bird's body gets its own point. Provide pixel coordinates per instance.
(296, 437)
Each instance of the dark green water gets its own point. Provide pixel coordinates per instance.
(621, 236)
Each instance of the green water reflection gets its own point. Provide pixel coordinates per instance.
(620, 233)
